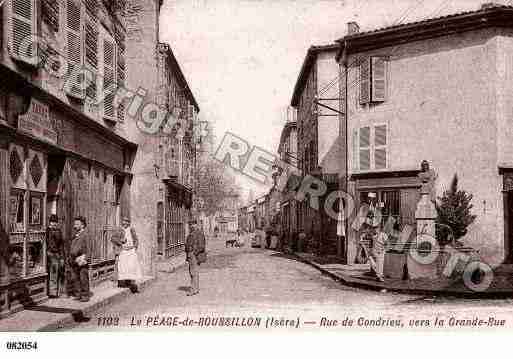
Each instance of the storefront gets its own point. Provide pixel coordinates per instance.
(54, 160)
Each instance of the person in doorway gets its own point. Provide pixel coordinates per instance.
(55, 257)
(79, 253)
(129, 268)
(195, 254)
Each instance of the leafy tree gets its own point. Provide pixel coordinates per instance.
(454, 213)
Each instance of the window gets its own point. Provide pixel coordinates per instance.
(373, 82)
(370, 148)
(108, 74)
(74, 45)
(17, 211)
(22, 31)
(91, 43)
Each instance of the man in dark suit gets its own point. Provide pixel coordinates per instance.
(79, 256)
(195, 251)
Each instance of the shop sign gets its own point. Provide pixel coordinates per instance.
(36, 122)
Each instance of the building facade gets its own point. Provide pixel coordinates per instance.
(63, 150)
(439, 91)
(320, 146)
(288, 152)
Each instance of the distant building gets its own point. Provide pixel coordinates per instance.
(162, 187)
(320, 146)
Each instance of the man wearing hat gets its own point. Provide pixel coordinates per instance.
(195, 254)
(55, 256)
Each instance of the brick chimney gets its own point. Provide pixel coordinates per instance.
(353, 28)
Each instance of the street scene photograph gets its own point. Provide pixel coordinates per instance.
(255, 165)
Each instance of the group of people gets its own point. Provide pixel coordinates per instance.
(68, 260)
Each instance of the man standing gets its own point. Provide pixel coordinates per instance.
(117, 239)
(79, 258)
(195, 254)
(55, 256)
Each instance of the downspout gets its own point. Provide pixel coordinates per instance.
(344, 61)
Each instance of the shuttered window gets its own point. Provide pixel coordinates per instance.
(120, 68)
(373, 80)
(22, 31)
(108, 69)
(50, 14)
(380, 147)
(91, 39)
(364, 148)
(365, 81)
(378, 79)
(75, 84)
(372, 148)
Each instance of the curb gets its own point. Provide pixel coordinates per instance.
(425, 292)
(79, 315)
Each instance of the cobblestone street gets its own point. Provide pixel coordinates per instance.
(252, 282)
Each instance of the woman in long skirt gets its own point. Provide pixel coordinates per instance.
(129, 268)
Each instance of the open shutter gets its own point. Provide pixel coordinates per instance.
(380, 147)
(120, 68)
(109, 76)
(22, 31)
(365, 81)
(91, 38)
(75, 84)
(355, 150)
(364, 148)
(378, 79)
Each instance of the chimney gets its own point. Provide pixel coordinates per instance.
(491, 5)
(352, 28)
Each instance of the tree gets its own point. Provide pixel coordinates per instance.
(454, 213)
(215, 183)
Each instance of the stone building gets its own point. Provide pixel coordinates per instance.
(163, 169)
(437, 90)
(63, 144)
(320, 147)
(288, 153)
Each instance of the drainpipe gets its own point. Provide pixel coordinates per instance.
(344, 61)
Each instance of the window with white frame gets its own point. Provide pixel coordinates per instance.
(373, 80)
(370, 148)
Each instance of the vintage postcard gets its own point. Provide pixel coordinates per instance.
(255, 165)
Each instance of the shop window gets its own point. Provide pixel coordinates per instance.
(16, 261)
(35, 210)
(35, 262)
(17, 211)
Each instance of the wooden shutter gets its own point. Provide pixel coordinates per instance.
(380, 147)
(75, 85)
(120, 68)
(378, 79)
(409, 199)
(109, 76)
(355, 149)
(22, 31)
(91, 39)
(365, 81)
(364, 148)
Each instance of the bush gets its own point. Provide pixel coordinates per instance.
(454, 213)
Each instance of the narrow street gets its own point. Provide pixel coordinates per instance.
(252, 282)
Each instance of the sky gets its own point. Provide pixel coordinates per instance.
(241, 58)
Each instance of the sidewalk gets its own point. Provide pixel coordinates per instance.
(65, 312)
(358, 275)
